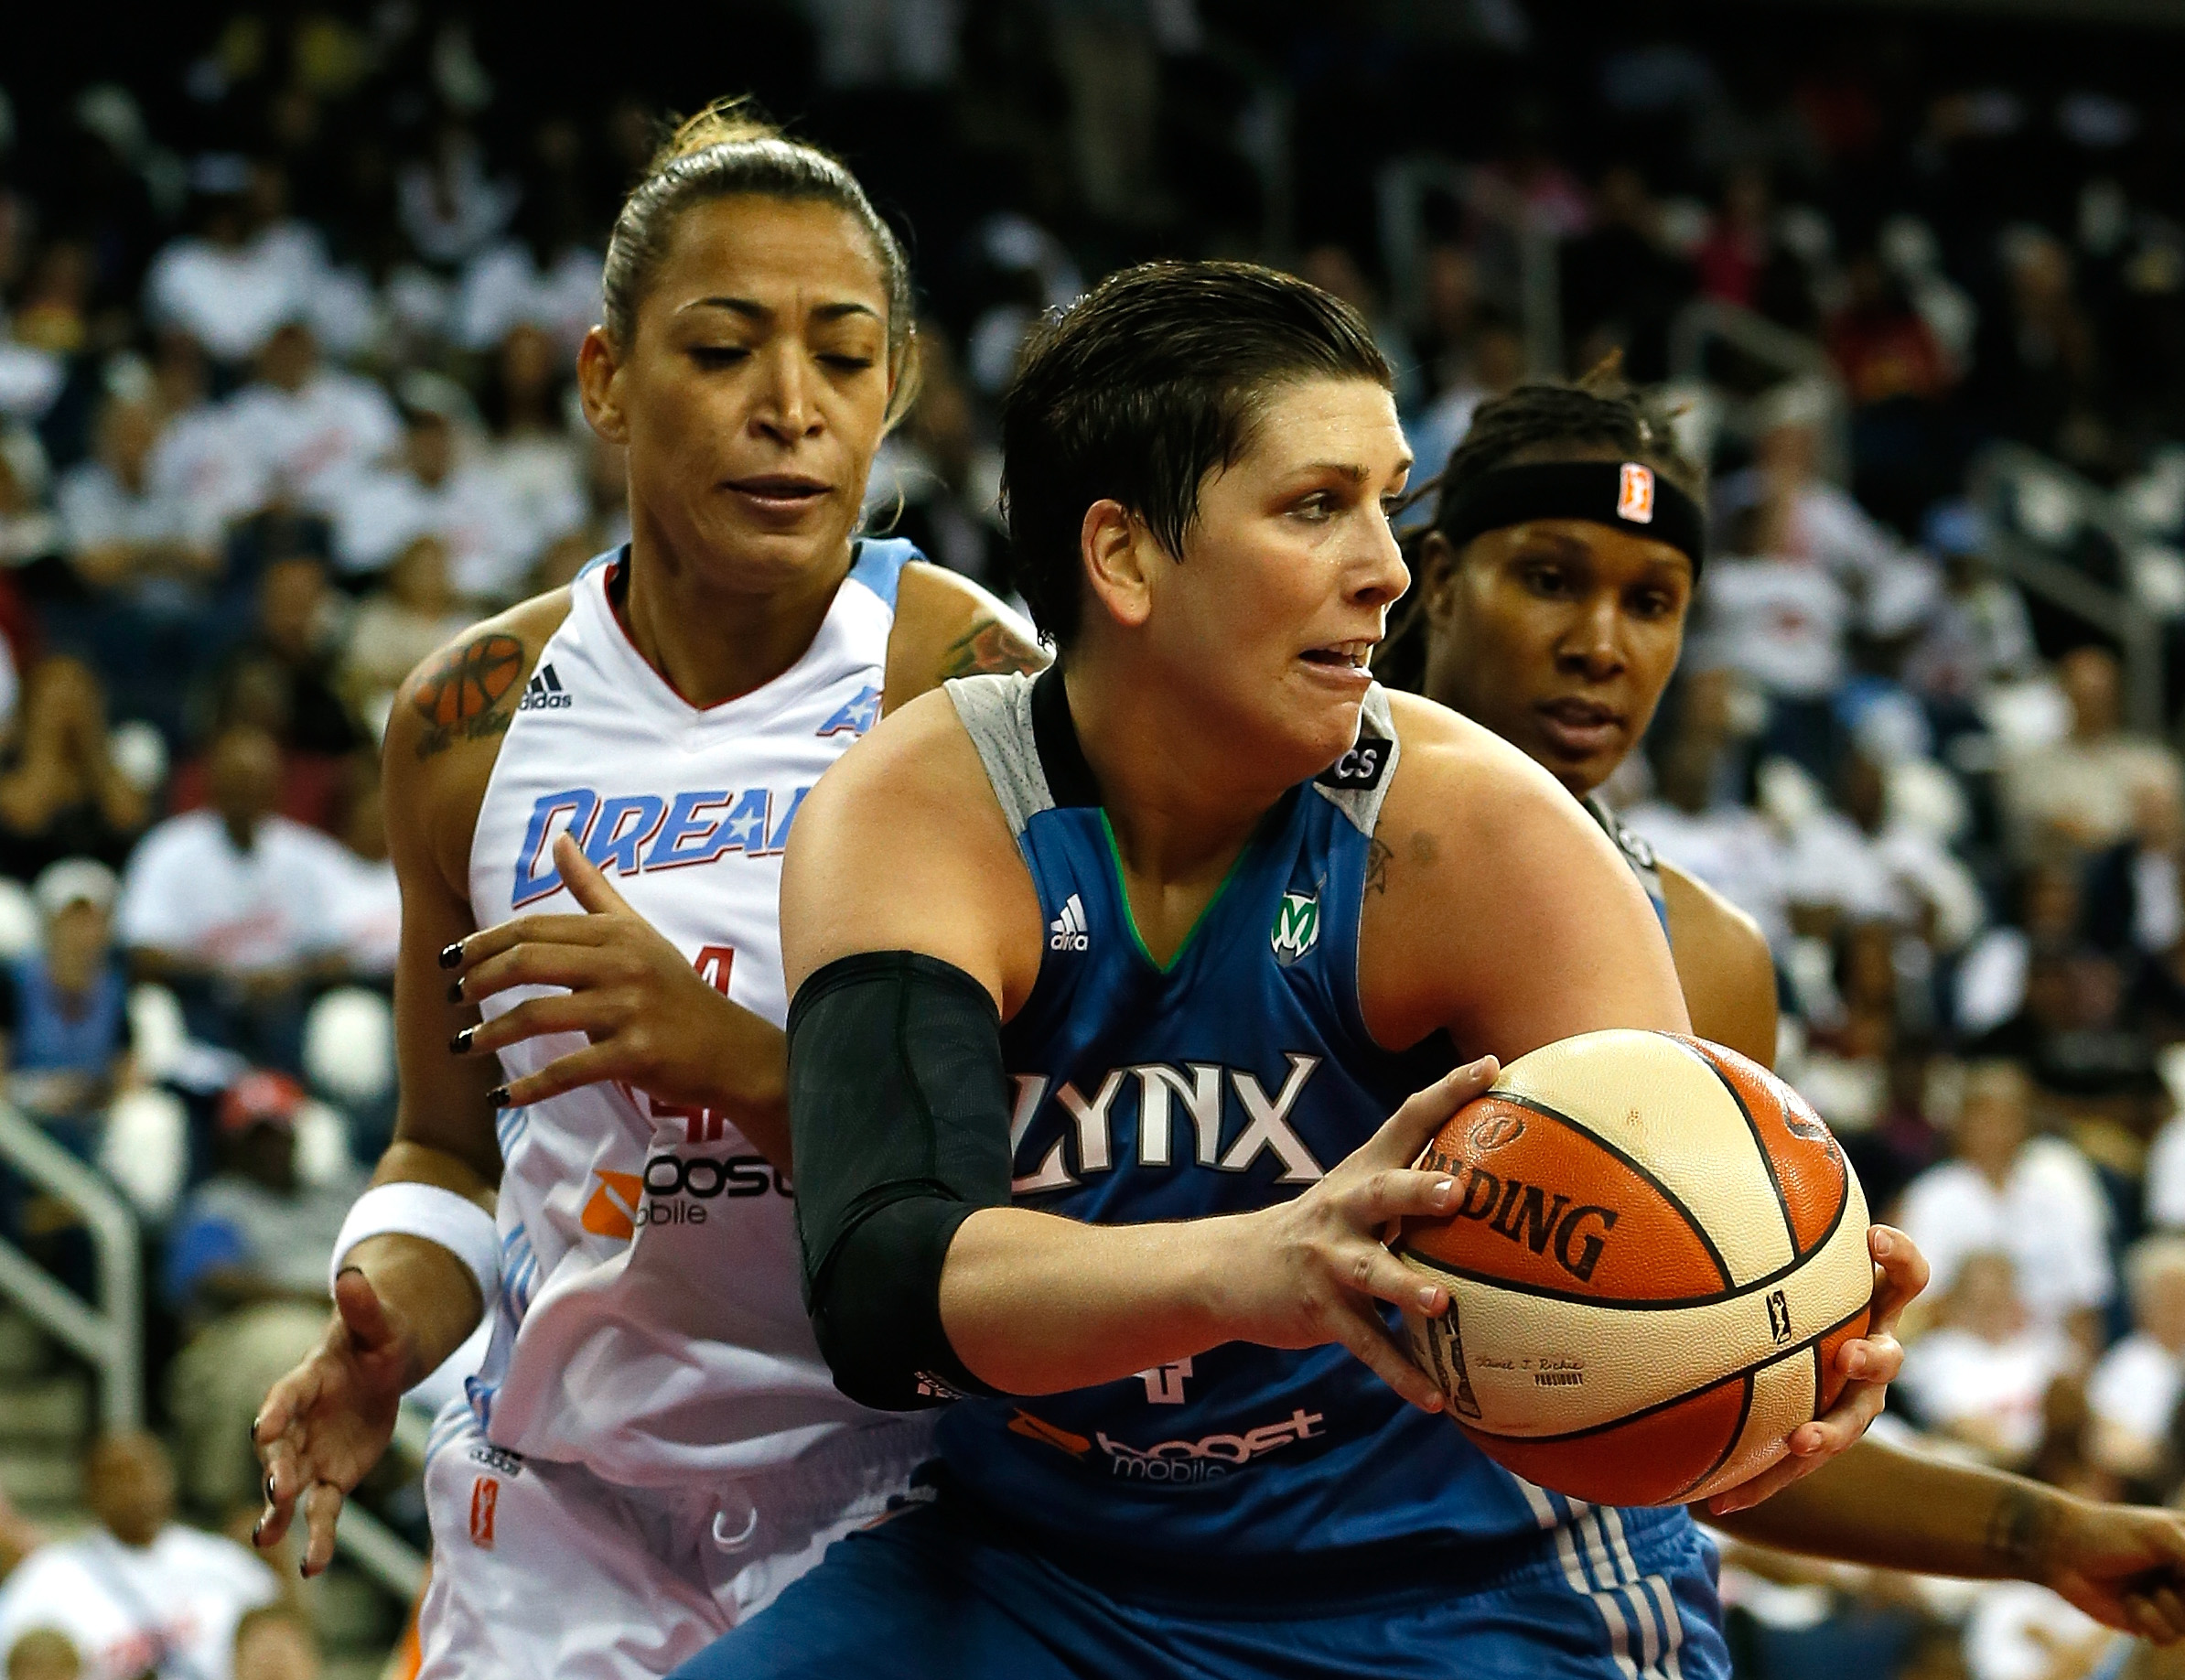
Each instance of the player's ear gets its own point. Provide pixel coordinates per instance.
(599, 385)
(1436, 572)
(1115, 547)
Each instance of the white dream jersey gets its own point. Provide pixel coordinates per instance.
(650, 1324)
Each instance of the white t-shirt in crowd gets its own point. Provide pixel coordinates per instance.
(200, 467)
(1894, 876)
(2049, 1218)
(1729, 847)
(1957, 1377)
(2017, 1632)
(190, 891)
(1781, 623)
(540, 480)
(96, 508)
(230, 300)
(2136, 1387)
(314, 440)
(2166, 1176)
(383, 512)
(171, 1606)
(505, 287)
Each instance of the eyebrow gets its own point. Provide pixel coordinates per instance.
(750, 308)
(1352, 470)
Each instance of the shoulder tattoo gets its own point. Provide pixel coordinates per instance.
(460, 698)
(988, 646)
(1377, 859)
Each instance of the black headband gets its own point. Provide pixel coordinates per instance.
(1624, 495)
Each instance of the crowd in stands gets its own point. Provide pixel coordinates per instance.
(288, 316)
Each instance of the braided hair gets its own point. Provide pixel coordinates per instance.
(1598, 415)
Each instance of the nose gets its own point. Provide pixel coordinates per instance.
(1381, 575)
(1591, 646)
(785, 410)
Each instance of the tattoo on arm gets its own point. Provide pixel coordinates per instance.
(1377, 856)
(2018, 1532)
(990, 645)
(460, 698)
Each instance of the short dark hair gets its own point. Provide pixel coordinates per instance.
(1142, 388)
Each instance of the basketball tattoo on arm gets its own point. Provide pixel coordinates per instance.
(988, 646)
(460, 698)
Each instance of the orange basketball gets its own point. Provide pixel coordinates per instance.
(1657, 1250)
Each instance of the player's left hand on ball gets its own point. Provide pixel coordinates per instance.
(653, 1021)
(1871, 1362)
(2123, 1565)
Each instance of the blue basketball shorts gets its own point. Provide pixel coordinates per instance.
(941, 1592)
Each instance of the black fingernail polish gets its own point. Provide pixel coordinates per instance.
(460, 1043)
(257, 1528)
(498, 1097)
(254, 1423)
(455, 993)
(269, 1487)
(450, 956)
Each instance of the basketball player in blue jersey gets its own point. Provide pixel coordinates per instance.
(1548, 615)
(1090, 1086)
(644, 1457)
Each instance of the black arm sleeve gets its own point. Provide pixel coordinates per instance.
(899, 1112)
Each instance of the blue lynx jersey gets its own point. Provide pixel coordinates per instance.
(1232, 1078)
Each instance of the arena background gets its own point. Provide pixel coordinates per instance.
(288, 303)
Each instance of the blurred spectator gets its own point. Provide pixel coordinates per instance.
(2037, 360)
(274, 1642)
(126, 530)
(545, 279)
(1336, 269)
(246, 1271)
(243, 271)
(303, 432)
(64, 1006)
(43, 1653)
(230, 906)
(294, 640)
(28, 530)
(2134, 1391)
(1992, 978)
(398, 624)
(1621, 283)
(140, 1593)
(52, 313)
(1857, 864)
(1980, 633)
(1897, 377)
(428, 493)
(1494, 368)
(449, 205)
(61, 794)
(1981, 1375)
(2081, 795)
(2034, 1199)
(946, 490)
(537, 466)
(1730, 846)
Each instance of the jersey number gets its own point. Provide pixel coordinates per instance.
(702, 1124)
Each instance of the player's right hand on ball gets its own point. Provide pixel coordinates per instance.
(327, 1423)
(1321, 1263)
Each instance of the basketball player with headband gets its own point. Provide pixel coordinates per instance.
(1552, 592)
(1091, 1097)
(653, 1446)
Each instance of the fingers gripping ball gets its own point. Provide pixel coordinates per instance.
(1658, 1248)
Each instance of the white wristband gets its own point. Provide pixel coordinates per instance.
(455, 1222)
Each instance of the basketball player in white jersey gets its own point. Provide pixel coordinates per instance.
(654, 1447)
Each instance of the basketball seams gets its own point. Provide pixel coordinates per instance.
(1760, 1143)
(1736, 1434)
(1647, 1175)
(1745, 1374)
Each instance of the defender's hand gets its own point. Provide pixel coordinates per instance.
(1871, 1361)
(1317, 1266)
(326, 1424)
(653, 1022)
(2123, 1565)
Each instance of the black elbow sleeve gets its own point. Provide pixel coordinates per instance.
(898, 1116)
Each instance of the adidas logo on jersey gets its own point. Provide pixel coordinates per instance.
(543, 693)
(1067, 931)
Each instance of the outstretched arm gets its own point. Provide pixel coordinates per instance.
(1890, 1507)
